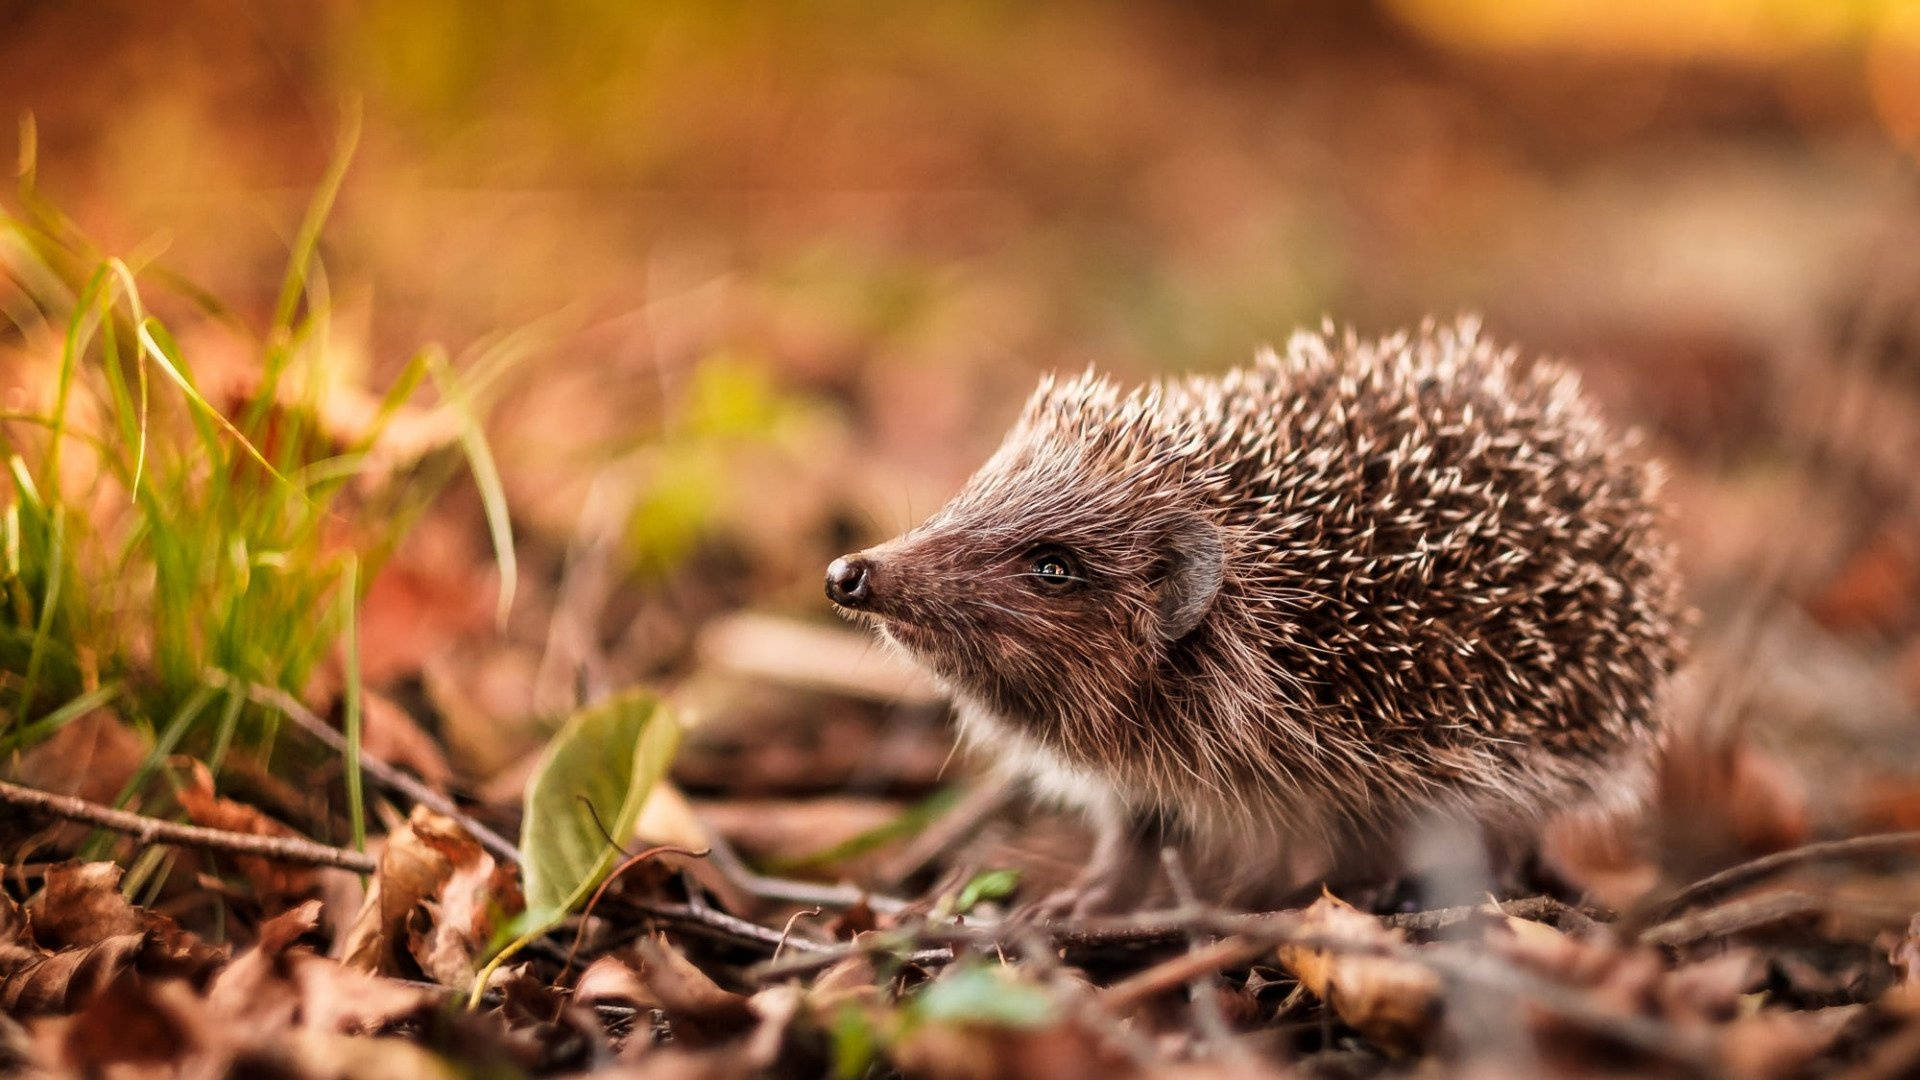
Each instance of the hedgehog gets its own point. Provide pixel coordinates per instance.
(1282, 618)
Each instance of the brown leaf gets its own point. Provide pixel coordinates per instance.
(851, 981)
(700, 1011)
(337, 999)
(448, 935)
(612, 980)
(435, 900)
(133, 1021)
(258, 986)
(35, 982)
(274, 882)
(80, 903)
(1393, 1002)
(92, 756)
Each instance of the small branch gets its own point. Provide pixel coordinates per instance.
(1087, 1003)
(776, 890)
(719, 926)
(1733, 917)
(1181, 970)
(1206, 995)
(1747, 873)
(151, 830)
(378, 771)
(1536, 908)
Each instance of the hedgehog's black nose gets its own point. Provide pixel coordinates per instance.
(848, 581)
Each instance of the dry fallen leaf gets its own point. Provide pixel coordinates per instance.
(136, 1022)
(275, 883)
(700, 1011)
(84, 933)
(258, 985)
(33, 982)
(435, 899)
(1394, 1002)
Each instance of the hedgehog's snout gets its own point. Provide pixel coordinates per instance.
(850, 581)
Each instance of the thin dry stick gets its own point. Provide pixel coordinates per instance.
(1747, 873)
(627, 864)
(719, 926)
(1535, 908)
(379, 771)
(1180, 970)
(1734, 916)
(1206, 996)
(787, 891)
(151, 830)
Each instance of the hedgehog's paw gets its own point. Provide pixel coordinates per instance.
(1076, 901)
(1107, 887)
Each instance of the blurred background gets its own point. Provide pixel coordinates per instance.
(787, 270)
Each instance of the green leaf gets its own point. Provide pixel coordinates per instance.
(609, 757)
(855, 1043)
(987, 885)
(981, 995)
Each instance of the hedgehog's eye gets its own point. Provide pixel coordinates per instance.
(1052, 569)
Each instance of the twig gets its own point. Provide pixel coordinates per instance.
(1180, 970)
(1088, 1005)
(1206, 996)
(376, 770)
(720, 926)
(626, 864)
(1734, 916)
(776, 890)
(151, 830)
(1537, 908)
(1747, 873)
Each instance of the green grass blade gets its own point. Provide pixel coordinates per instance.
(49, 604)
(350, 655)
(29, 734)
(307, 240)
(486, 476)
(71, 349)
(229, 723)
(151, 334)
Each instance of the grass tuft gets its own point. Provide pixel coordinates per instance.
(168, 543)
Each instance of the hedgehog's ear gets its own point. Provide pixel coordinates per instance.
(1196, 560)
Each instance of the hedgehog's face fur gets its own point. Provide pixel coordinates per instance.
(1051, 586)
